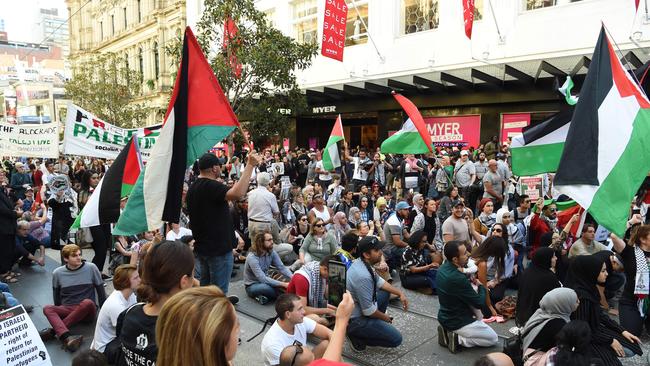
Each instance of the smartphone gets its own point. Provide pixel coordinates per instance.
(636, 211)
(336, 277)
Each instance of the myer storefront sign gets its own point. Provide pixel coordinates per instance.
(324, 109)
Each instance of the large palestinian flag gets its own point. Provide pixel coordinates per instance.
(606, 155)
(539, 148)
(413, 137)
(331, 158)
(199, 115)
(103, 206)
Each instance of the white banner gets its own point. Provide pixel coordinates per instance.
(34, 141)
(88, 135)
(20, 344)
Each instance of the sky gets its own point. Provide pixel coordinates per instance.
(21, 20)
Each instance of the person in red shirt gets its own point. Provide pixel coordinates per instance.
(309, 283)
(544, 220)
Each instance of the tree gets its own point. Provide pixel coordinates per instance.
(266, 59)
(106, 87)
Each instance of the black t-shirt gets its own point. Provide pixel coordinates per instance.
(545, 339)
(210, 218)
(629, 263)
(137, 337)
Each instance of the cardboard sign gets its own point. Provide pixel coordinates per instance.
(334, 23)
(20, 344)
(87, 135)
(512, 124)
(532, 186)
(455, 131)
(35, 141)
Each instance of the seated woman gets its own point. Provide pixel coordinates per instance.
(298, 232)
(419, 266)
(484, 221)
(572, 346)
(553, 314)
(260, 283)
(538, 279)
(340, 226)
(121, 252)
(609, 340)
(317, 244)
(490, 271)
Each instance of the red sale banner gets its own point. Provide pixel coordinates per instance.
(455, 131)
(512, 124)
(336, 15)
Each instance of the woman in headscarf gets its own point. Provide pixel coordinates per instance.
(354, 216)
(340, 226)
(483, 223)
(554, 313)
(609, 340)
(538, 279)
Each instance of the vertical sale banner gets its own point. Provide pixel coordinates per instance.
(512, 124)
(333, 43)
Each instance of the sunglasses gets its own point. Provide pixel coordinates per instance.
(319, 225)
(498, 230)
(299, 350)
(303, 219)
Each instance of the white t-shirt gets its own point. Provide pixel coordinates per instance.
(107, 319)
(276, 339)
(319, 165)
(182, 231)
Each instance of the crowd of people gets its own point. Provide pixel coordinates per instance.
(455, 225)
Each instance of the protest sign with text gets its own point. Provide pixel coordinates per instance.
(20, 344)
(34, 141)
(87, 135)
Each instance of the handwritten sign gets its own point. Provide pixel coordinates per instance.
(20, 344)
(36, 141)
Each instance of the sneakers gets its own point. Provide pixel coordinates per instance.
(443, 339)
(72, 343)
(263, 300)
(233, 299)
(453, 344)
(357, 346)
(106, 277)
(46, 334)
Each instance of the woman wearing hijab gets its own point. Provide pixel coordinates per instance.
(340, 226)
(554, 313)
(483, 223)
(354, 216)
(609, 340)
(538, 279)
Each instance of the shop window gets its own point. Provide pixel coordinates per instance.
(305, 20)
(538, 4)
(420, 15)
(355, 31)
(478, 10)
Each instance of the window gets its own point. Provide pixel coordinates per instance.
(139, 11)
(305, 21)
(156, 59)
(355, 31)
(420, 15)
(124, 14)
(141, 62)
(478, 9)
(538, 4)
(101, 31)
(112, 24)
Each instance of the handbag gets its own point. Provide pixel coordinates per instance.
(513, 347)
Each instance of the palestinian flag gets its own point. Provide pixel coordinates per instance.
(103, 206)
(413, 137)
(539, 148)
(606, 155)
(199, 115)
(566, 210)
(565, 90)
(331, 158)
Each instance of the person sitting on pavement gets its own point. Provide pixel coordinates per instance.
(369, 323)
(536, 280)
(259, 282)
(125, 281)
(573, 346)
(37, 225)
(166, 270)
(348, 250)
(489, 258)
(458, 325)
(586, 245)
(176, 231)
(292, 328)
(613, 287)
(459, 226)
(27, 245)
(318, 243)
(197, 327)
(10, 300)
(340, 226)
(543, 220)
(484, 221)
(419, 266)
(539, 333)
(396, 235)
(74, 288)
(298, 232)
(310, 284)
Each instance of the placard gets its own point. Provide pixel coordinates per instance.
(334, 23)
(454, 131)
(285, 144)
(34, 141)
(20, 344)
(531, 186)
(87, 135)
(512, 124)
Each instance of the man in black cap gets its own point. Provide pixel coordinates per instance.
(369, 325)
(210, 219)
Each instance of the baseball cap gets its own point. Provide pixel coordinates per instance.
(455, 203)
(18, 165)
(29, 188)
(402, 205)
(464, 152)
(207, 161)
(368, 243)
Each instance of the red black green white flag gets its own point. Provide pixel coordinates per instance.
(413, 137)
(103, 206)
(198, 117)
(331, 158)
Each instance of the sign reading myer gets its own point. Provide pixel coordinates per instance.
(324, 109)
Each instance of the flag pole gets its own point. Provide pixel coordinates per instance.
(630, 70)
(381, 58)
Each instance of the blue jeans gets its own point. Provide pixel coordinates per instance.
(394, 257)
(263, 289)
(11, 300)
(216, 270)
(372, 331)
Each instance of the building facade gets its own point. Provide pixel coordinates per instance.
(53, 29)
(505, 76)
(138, 32)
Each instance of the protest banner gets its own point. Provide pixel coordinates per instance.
(33, 141)
(513, 124)
(334, 23)
(87, 135)
(454, 131)
(532, 186)
(20, 344)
